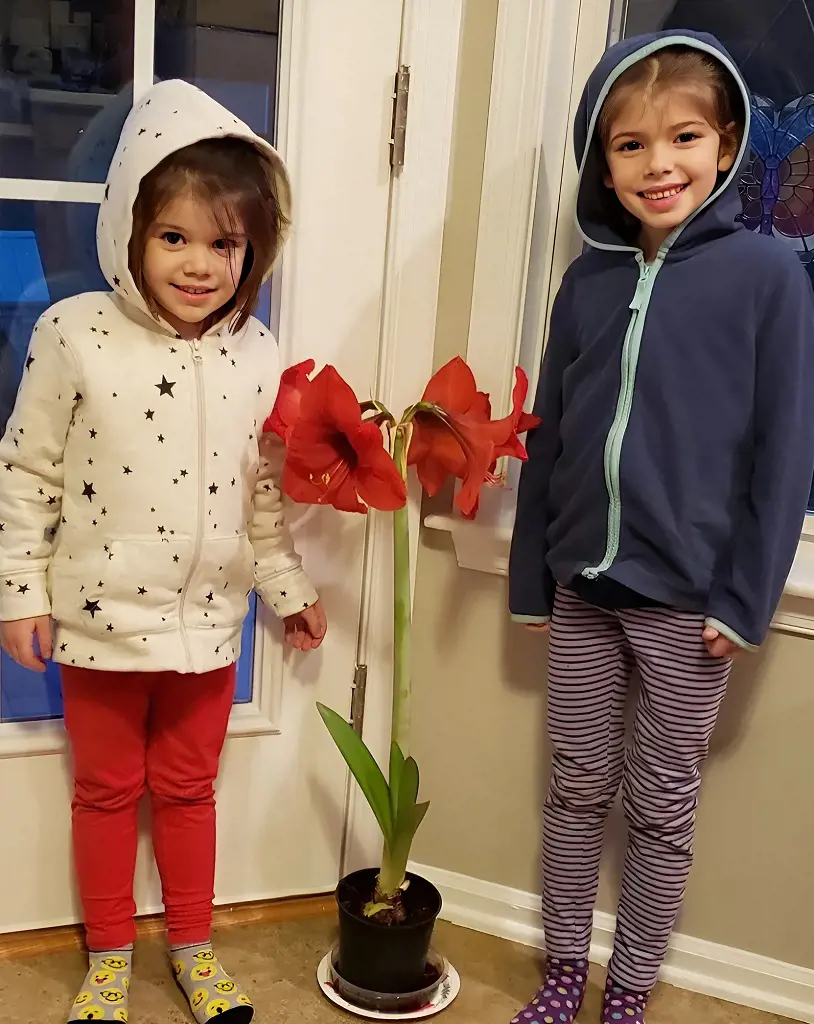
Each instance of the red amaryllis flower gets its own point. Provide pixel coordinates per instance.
(458, 437)
(333, 457)
(293, 384)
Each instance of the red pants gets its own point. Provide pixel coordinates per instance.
(129, 732)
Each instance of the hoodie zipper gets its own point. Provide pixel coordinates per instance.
(200, 399)
(616, 434)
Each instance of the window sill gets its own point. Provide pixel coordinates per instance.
(484, 547)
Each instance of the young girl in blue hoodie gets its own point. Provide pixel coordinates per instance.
(661, 506)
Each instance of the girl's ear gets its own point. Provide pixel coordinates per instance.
(727, 149)
(607, 180)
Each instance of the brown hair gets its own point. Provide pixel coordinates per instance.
(677, 67)
(233, 178)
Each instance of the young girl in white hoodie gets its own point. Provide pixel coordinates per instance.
(136, 517)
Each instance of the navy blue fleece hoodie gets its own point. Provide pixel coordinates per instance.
(676, 448)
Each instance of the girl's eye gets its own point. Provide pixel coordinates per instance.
(224, 244)
(687, 137)
(172, 237)
(629, 147)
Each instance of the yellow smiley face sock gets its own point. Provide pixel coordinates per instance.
(211, 992)
(106, 988)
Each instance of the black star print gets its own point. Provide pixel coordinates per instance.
(2, 527)
(165, 387)
(93, 330)
(210, 597)
(104, 511)
(63, 647)
(213, 488)
(158, 135)
(88, 492)
(149, 414)
(77, 397)
(9, 583)
(160, 438)
(23, 589)
(223, 352)
(92, 607)
(116, 282)
(162, 530)
(52, 500)
(110, 627)
(233, 362)
(92, 434)
(142, 591)
(141, 131)
(107, 334)
(233, 481)
(173, 351)
(259, 390)
(90, 462)
(55, 320)
(176, 559)
(184, 472)
(283, 593)
(9, 467)
(28, 362)
(127, 470)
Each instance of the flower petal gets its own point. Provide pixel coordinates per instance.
(452, 387)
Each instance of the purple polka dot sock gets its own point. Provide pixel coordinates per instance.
(621, 1006)
(560, 999)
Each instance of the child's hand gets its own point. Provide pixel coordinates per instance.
(538, 627)
(306, 630)
(718, 645)
(18, 641)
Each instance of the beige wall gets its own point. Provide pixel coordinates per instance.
(480, 694)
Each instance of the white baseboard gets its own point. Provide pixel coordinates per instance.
(693, 964)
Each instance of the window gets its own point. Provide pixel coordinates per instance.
(772, 42)
(65, 91)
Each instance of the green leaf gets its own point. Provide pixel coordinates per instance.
(408, 788)
(396, 771)
(397, 853)
(363, 765)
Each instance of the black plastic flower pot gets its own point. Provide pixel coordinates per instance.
(385, 957)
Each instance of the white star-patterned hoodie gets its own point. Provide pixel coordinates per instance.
(134, 505)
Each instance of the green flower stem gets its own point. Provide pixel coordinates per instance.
(402, 689)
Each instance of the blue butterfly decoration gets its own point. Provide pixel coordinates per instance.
(777, 188)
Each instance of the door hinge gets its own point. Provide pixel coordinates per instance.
(357, 705)
(401, 99)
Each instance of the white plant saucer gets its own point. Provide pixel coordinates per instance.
(443, 997)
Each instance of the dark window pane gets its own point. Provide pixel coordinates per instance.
(28, 696)
(65, 73)
(47, 252)
(228, 49)
(245, 668)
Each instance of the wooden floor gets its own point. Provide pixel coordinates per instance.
(59, 940)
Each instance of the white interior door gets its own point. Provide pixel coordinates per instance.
(316, 77)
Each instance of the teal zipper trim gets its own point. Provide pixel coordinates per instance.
(624, 403)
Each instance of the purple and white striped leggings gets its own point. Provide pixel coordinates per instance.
(592, 654)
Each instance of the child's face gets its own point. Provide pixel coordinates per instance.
(190, 268)
(663, 159)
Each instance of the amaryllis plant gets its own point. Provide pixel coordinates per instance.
(355, 456)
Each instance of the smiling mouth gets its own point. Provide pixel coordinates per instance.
(190, 290)
(665, 193)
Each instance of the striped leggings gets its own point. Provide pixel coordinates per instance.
(592, 654)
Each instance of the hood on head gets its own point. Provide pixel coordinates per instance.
(717, 215)
(170, 116)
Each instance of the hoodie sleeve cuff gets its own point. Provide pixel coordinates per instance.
(730, 634)
(288, 592)
(23, 596)
(532, 620)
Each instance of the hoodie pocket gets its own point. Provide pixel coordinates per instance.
(218, 594)
(133, 586)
